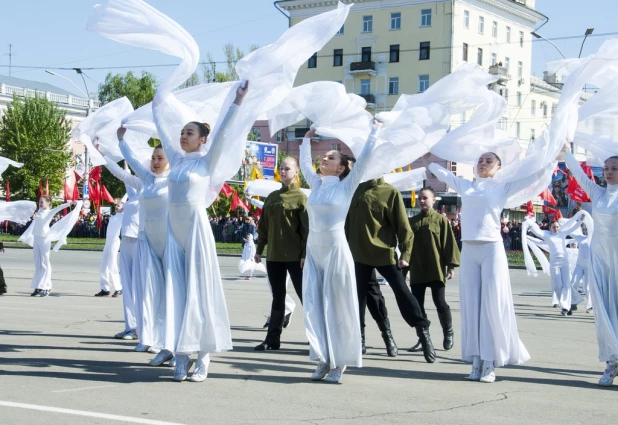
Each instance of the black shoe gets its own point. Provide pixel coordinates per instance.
(428, 351)
(363, 347)
(45, 293)
(446, 321)
(102, 294)
(286, 320)
(265, 346)
(564, 311)
(35, 293)
(273, 336)
(387, 336)
(416, 348)
(555, 305)
(573, 307)
(569, 313)
(2, 292)
(116, 294)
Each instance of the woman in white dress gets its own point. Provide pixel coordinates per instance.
(151, 241)
(603, 259)
(110, 275)
(197, 319)
(247, 264)
(330, 297)
(489, 336)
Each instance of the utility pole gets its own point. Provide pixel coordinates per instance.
(10, 58)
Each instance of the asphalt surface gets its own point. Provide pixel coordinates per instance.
(60, 365)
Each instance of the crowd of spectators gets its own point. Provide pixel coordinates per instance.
(234, 229)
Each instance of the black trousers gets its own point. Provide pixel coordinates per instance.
(408, 305)
(438, 293)
(277, 275)
(373, 300)
(2, 281)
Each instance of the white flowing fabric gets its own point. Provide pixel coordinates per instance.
(110, 273)
(330, 299)
(603, 260)
(101, 123)
(17, 211)
(262, 188)
(406, 180)
(149, 263)
(489, 327)
(257, 203)
(247, 264)
(5, 162)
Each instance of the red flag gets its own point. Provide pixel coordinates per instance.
(237, 203)
(548, 197)
(106, 196)
(95, 174)
(47, 187)
(40, 188)
(227, 190)
(587, 170)
(529, 209)
(551, 211)
(77, 176)
(93, 191)
(575, 191)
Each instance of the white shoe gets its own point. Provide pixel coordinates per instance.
(475, 375)
(141, 348)
(488, 376)
(201, 371)
(320, 372)
(154, 350)
(172, 363)
(608, 376)
(162, 357)
(129, 335)
(182, 370)
(335, 375)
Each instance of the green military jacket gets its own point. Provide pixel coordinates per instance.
(377, 222)
(284, 225)
(434, 249)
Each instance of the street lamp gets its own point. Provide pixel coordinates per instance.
(588, 32)
(537, 35)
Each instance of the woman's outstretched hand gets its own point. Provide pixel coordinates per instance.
(120, 133)
(241, 92)
(311, 134)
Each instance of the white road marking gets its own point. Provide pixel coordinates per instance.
(85, 413)
(84, 388)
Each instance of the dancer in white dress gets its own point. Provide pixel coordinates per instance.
(247, 264)
(489, 336)
(39, 236)
(559, 267)
(582, 269)
(197, 319)
(149, 274)
(110, 275)
(603, 259)
(330, 298)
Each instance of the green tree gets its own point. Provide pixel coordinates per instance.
(139, 90)
(33, 130)
(193, 80)
(232, 55)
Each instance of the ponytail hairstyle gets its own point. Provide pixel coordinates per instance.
(343, 160)
(203, 128)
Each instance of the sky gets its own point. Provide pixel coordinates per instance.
(55, 36)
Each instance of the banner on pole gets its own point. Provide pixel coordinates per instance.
(260, 156)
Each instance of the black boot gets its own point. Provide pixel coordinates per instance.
(273, 336)
(428, 351)
(416, 348)
(387, 336)
(446, 320)
(364, 348)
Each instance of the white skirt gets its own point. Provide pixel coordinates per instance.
(604, 290)
(150, 279)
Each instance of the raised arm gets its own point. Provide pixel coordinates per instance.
(219, 147)
(458, 184)
(572, 224)
(535, 229)
(136, 165)
(128, 178)
(306, 164)
(59, 208)
(591, 188)
(353, 179)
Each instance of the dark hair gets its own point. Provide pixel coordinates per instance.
(343, 160)
(159, 146)
(430, 189)
(350, 158)
(203, 128)
(47, 198)
(497, 158)
(612, 157)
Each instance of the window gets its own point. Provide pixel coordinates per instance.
(462, 117)
(479, 56)
(426, 18)
(520, 70)
(338, 57)
(494, 59)
(423, 83)
(393, 85)
(313, 61)
(508, 34)
(335, 147)
(423, 53)
(466, 21)
(494, 30)
(366, 54)
(506, 95)
(544, 106)
(519, 98)
(521, 39)
(465, 52)
(518, 130)
(394, 53)
(507, 64)
(553, 109)
(367, 23)
(481, 25)
(396, 21)
(340, 32)
(533, 108)
(502, 123)
(365, 86)
(532, 135)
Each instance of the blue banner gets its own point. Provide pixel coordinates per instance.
(261, 157)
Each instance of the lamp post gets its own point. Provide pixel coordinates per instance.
(588, 32)
(539, 36)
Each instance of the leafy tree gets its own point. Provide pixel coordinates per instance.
(232, 55)
(139, 91)
(193, 80)
(33, 130)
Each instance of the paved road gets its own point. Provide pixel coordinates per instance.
(59, 365)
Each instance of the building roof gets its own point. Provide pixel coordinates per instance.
(35, 85)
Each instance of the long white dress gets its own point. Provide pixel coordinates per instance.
(150, 257)
(330, 299)
(603, 260)
(247, 264)
(488, 325)
(110, 274)
(197, 318)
